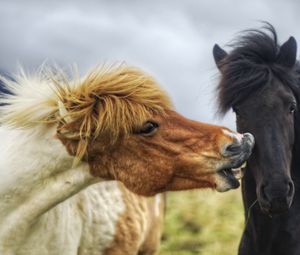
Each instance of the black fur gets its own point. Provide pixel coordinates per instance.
(250, 66)
(260, 82)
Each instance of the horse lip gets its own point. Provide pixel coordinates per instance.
(236, 162)
(228, 182)
(250, 139)
(228, 175)
(266, 208)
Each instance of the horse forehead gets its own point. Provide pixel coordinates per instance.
(275, 95)
(271, 96)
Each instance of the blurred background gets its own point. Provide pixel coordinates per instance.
(170, 39)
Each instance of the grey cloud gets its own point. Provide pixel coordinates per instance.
(170, 39)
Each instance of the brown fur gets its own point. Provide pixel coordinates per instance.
(112, 102)
(139, 229)
(99, 120)
(183, 154)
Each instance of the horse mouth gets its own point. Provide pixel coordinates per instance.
(228, 178)
(224, 180)
(234, 173)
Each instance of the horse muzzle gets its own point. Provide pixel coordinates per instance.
(276, 196)
(236, 154)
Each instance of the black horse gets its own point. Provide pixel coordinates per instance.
(260, 82)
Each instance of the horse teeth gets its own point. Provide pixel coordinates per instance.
(238, 173)
(244, 164)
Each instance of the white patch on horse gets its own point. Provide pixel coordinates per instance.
(39, 212)
(48, 206)
(236, 136)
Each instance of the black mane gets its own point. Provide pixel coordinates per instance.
(252, 65)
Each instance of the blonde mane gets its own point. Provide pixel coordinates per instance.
(109, 101)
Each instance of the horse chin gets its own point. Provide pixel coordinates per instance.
(225, 183)
(272, 211)
(180, 182)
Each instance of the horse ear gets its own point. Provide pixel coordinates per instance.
(219, 55)
(288, 53)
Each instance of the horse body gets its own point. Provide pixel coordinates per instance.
(260, 82)
(64, 142)
(98, 220)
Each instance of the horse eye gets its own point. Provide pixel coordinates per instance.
(149, 128)
(292, 108)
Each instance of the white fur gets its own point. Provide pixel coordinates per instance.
(157, 204)
(46, 204)
(236, 136)
(37, 213)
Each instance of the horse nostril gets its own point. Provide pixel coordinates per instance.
(233, 149)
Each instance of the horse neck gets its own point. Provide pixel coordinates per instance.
(36, 174)
(29, 156)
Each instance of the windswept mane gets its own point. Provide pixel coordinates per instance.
(108, 101)
(251, 66)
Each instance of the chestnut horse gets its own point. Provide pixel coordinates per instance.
(63, 141)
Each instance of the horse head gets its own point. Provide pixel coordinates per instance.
(259, 82)
(127, 129)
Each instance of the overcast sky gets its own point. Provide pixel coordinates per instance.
(170, 39)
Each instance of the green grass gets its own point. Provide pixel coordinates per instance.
(203, 223)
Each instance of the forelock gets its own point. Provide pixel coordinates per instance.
(251, 66)
(112, 102)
